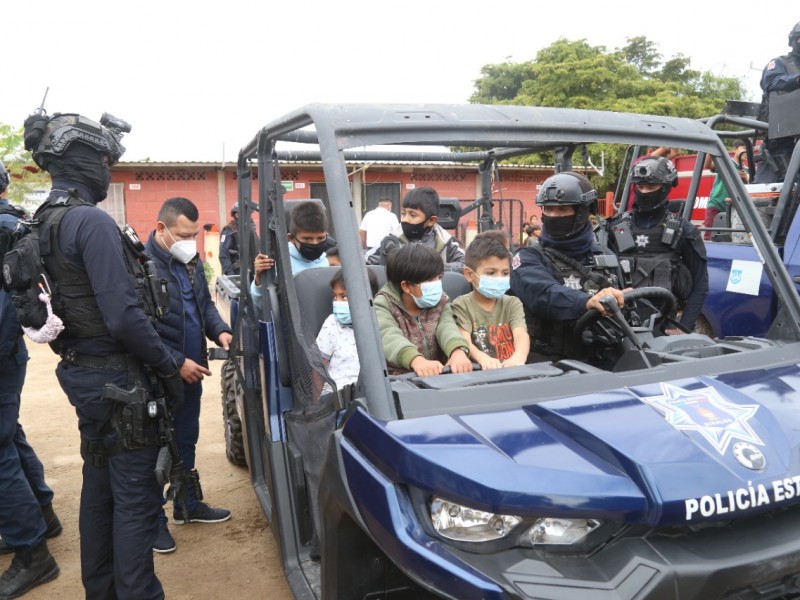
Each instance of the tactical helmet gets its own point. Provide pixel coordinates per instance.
(50, 137)
(4, 179)
(794, 33)
(566, 188)
(654, 170)
(234, 210)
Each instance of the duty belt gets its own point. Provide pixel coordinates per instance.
(113, 362)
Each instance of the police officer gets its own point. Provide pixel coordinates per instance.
(107, 339)
(567, 273)
(782, 74)
(229, 245)
(658, 248)
(26, 510)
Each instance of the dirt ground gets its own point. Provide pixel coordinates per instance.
(236, 559)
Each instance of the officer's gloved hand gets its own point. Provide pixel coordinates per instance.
(173, 386)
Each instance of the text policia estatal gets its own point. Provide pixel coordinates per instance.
(744, 498)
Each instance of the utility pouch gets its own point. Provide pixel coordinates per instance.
(622, 236)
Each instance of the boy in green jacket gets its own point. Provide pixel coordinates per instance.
(417, 326)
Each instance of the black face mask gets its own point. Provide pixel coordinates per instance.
(413, 231)
(311, 251)
(83, 164)
(650, 201)
(559, 227)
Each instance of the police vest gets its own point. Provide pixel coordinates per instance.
(792, 63)
(73, 299)
(555, 338)
(651, 261)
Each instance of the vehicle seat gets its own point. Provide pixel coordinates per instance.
(721, 220)
(455, 285)
(313, 287)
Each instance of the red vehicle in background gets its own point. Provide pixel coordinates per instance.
(685, 164)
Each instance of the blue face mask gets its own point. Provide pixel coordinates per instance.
(493, 287)
(431, 294)
(341, 311)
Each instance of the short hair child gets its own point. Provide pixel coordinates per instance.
(336, 340)
(417, 326)
(424, 199)
(308, 216)
(492, 322)
(496, 234)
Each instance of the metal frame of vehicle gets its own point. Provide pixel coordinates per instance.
(406, 441)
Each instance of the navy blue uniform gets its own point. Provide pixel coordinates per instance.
(228, 250)
(781, 74)
(689, 254)
(24, 490)
(192, 317)
(120, 498)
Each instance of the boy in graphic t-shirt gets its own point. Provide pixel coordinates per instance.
(492, 322)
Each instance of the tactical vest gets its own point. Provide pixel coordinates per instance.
(792, 63)
(651, 261)
(555, 338)
(73, 299)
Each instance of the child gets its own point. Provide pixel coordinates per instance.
(492, 322)
(336, 341)
(417, 326)
(332, 254)
(308, 235)
(418, 217)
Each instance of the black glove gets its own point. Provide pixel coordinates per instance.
(173, 386)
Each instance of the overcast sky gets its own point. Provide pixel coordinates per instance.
(197, 80)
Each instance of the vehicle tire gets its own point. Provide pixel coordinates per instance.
(234, 443)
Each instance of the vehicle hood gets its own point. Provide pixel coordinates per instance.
(678, 452)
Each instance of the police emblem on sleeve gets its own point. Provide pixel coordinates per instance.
(704, 411)
(572, 282)
(515, 261)
(642, 240)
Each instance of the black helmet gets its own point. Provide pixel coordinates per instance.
(234, 210)
(655, 170)
(566, 188)
(47, 137)
(4, 180)
(794, 33)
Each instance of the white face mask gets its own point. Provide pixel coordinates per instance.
(184, 251)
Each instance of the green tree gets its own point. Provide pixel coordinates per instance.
(634, 78)
(25, 176)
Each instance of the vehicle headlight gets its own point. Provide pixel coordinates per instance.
(465, 524)
(560, 532)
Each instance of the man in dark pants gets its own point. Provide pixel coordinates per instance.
(26, 501)
(567, 273)
(659, 248)
(229, 245)
(95, 277)
(191, 318)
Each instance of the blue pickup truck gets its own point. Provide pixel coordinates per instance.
(673, 474)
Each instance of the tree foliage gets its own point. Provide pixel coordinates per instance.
(634, 78)
(25, 176)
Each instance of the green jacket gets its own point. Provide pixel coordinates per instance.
(433, 333)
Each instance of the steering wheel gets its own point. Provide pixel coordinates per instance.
(661, 298)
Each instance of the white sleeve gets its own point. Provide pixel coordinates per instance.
(326, 338)
(365, 221)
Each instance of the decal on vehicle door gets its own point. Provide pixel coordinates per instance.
(745, 277)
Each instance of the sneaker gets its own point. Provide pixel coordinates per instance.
(28, 569)
(164, 543)
(202, 513)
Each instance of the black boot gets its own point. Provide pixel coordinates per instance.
(53, 527)
(29, 568)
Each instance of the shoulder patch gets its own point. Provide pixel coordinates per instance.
(771, 65)
(515, 261)
(222, 238)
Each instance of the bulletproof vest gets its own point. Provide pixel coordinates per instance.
(555, 338)
(651, 261)
(233, 251)
(73, 299)
(792, 63)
